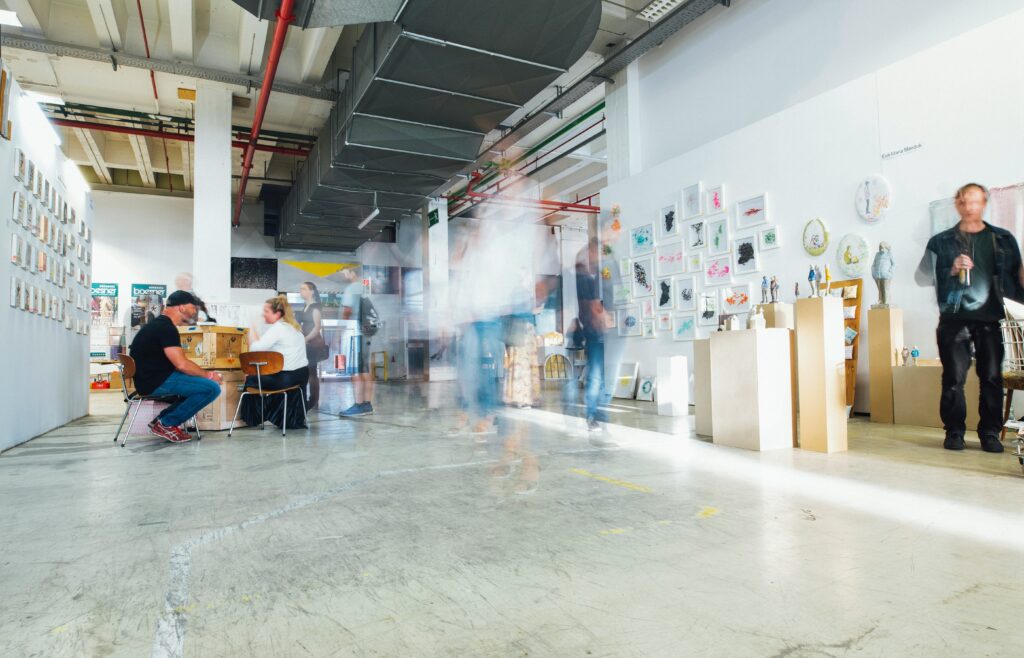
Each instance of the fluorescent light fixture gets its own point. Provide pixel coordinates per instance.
(43, 97)
(8, 17)
(657, 9)
(369, 218)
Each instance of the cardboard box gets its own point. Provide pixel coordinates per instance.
(916, 391)
(217, 416)
(214, 347)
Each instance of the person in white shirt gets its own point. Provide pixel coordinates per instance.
(282, 335)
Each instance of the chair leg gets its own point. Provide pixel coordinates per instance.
(238, 408)
(1006, 413)
(138, 406)
(263, 411)
(127, 408)
(284, 418)
(302, 398)
(195, 421)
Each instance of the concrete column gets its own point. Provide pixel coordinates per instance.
(622, 112)
(435, 290)
(211, 224)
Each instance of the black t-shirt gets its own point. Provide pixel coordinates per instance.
(980, 301)
(588, 290)
(152, 367)
(306, 318)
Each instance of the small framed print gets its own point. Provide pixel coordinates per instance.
(18, 208)
(30, 177)
(20, 165)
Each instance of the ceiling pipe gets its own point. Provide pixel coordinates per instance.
(545, 204)
(179, 137)
(284, 18)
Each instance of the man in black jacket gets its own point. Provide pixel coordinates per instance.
(973, 266)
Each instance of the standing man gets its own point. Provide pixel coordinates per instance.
(973, 266)
(594, 318)
(351, 309)
(161, 368)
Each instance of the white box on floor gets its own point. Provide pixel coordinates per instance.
(702, 407)
(673, 392)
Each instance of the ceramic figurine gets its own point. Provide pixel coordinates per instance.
(881, 271)
(764, 290)
(812, 283)
(915, 354)
(774, 287)
(905, 353)
(828, 281)
(796, 290)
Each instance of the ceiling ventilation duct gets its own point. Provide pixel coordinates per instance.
(424, 90)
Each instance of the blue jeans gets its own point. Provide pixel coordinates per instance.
(594, 387)
(481, 354)
(196, 393)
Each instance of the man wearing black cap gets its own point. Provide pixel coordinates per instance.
(162, 369)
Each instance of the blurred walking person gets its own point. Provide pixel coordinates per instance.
(354, 306)
(317, 349)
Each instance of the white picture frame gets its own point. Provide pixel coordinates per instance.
(708, 308)
(693, 201)
(627, 320)
(641, 240)
(752, 211)
(665, 294)
(718, 234)
(671, 259)
(717, 270)
(714, 199)
(668, 222)
(642, 277)
(686, 295)
(769, 238)
(684, 327)
(736, 298)
(664, 321)
(695, 235)
(746, 259)
(694, 262)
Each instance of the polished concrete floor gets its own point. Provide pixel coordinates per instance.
(391, 536)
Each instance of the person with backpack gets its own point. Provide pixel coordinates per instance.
(356, 304)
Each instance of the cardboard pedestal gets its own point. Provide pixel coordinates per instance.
(214, 347)
(821, 385)
(217, 416)
(781, 315)
(885, 340)
(916, 391)
(702, 408)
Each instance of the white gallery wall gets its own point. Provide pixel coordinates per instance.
(960, 100)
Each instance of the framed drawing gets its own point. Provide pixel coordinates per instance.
(694, 262)
(645, 388)
(718, 235)
(736, 298)
(641, 240)
(668, 222)
(695, 235)
(707, 309)
(647, 328)
(664, 321)
(744, 253)
(693, 201)
(670, 259)
(643, 276)
(628, 320)
(718, 271)
(666, 294)
(751, 212)
(684, 327)
(685, 288)
(714, 199)
(768, 238)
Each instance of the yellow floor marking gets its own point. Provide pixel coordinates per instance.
(615, 531)
(608, 480)
(707, 512)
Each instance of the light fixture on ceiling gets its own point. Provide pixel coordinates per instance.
(657, 9)
(369, 218)
(8, 17)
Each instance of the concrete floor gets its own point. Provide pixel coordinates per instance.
(388, 536)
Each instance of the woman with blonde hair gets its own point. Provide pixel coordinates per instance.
(317, 349)
(283, 336)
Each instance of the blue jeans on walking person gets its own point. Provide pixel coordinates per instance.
(593, 390)
(196, 393)
(481, 353)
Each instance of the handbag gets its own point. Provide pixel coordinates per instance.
(317, 349)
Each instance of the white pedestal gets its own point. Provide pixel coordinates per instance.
(673, 392)
(752, 400)
(702, 407)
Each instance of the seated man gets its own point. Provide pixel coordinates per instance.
(162, 369)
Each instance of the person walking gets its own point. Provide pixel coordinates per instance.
(316, 347)
(973, 266)
(352, 309)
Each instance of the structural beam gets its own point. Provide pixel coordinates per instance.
(186, 164)
(180, 13)
(145, 166)
(317, 46)
(107, 23)
(94, 154)
(30, 24)
(252, 41)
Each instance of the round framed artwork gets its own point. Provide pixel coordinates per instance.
(815, 237)
(852, 255)
(873, 198)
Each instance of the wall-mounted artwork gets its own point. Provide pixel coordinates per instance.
(718, 234)
(670, 259)
(736, 298)
(647, 329)
(684, 327)
(718, 271)
(714, 199)
(668, 222)
(707, 309)
(647, 308)
(685, 288)
(664, 321)
(643, 277)
(873, 198)
(693, 201)
(744, 254)
(665, 296)
(768, 238)
(628, 320)
(853, 255)
(751, 212)
(20, 165)
(694, 262)
(695, 235)
(815, 237)
(622, 294)
(641, 240)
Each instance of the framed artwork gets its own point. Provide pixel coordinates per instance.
(718, 271)
(744, 253)
(707, 309)
(873, 198)
(714, 199)
(852, 255)
(768, 238)
(815, 238)
(684, 327)
(625, 383)
(668, 222)
(693, 201)
(20, 165)
(664, 321)
(695, 235)
(643, 277)
(641, 240)
(751, 212)
(647, 308)
(736, 298)
(30, 177)
(718, 235)
(647, 328)
(694, 262)
(645, 388)
(628, 320)
(18, 208)
(670, 259)
(685, 293)
(666, 294)
(622, 294)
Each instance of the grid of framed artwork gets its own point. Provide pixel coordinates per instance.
(698, 259)
(52, 245)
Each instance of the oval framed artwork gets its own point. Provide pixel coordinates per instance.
(874, 195)
(852, 255)
(815, 237)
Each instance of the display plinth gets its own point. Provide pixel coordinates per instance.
(916, 391)
(821, 381)
(781, 315)
(702, 406)
(212, 346)
(217, 415)
(885, 340)
(750, 389)
(673, 391)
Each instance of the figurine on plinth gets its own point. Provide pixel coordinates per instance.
(828, 281)
(796, 290)
(764, 290)
(812, 282)
(774, 288)
(881, 271)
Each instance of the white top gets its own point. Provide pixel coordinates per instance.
(286, 339)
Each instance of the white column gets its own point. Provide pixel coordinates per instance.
(622, 111)
(435, 290)
(211, 224)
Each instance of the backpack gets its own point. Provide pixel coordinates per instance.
(369, 321)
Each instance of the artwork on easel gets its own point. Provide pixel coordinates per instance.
(625, 383)
(645, 389)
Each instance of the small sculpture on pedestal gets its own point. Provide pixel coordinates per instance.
(764, 290)
(819, 278)
(774, 287)
(812, 283)
(905, 353)
(915, 354)
(881, 271)
(828, 281)
(796, 290)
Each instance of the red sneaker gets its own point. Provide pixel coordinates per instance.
(172, 434)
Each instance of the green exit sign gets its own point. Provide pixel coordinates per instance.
(433, 217)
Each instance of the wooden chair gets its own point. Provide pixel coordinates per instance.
(260, 364)
(126, 365)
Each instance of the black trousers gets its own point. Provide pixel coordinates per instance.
(955, 338)
(273, 406)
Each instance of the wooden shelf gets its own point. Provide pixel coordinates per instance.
(853, 323)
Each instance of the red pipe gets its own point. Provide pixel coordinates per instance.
(284, 18)
(546, 204)
(180, 137)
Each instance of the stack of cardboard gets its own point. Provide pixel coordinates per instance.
(218, 348)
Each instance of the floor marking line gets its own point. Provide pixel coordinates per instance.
(608, 480)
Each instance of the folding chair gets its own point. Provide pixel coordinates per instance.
(126, 366)
(262, 364)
